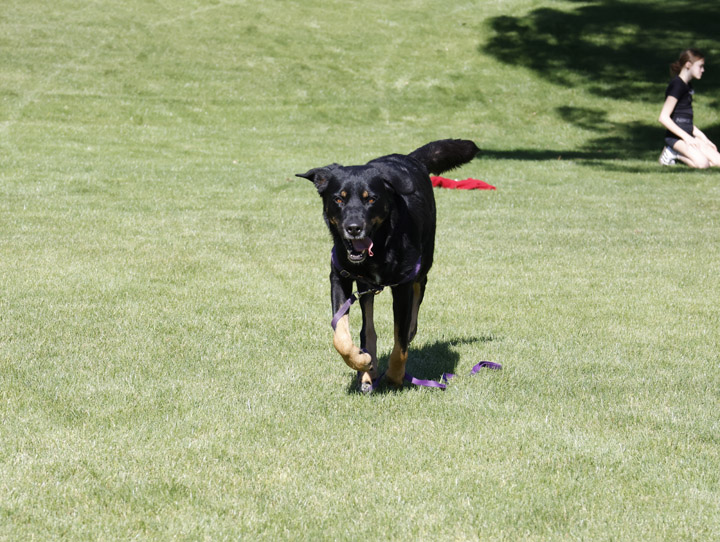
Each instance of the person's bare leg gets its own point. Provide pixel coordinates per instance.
(691, 156)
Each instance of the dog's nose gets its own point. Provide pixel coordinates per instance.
(354, 230)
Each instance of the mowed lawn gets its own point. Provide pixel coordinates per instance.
(166, 366)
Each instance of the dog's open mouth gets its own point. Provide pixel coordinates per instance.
(358, 249)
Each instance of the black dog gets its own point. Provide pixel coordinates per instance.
(382, 220)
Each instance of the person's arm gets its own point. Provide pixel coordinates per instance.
(665, 120)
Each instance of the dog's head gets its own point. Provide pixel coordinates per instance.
(357, 201)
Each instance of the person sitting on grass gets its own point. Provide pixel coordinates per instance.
(683, 140)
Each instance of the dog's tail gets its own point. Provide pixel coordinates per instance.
(445, 154)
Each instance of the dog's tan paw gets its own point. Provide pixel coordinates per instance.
(366, 388)
(394, 382)
(358, 360)
(367, 382)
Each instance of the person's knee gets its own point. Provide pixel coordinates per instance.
(696, 159)
(714, 160)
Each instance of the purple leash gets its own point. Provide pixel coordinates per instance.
(442, 383)
(344, 308)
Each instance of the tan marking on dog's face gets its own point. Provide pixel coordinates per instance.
(344, 194)
(365, 194)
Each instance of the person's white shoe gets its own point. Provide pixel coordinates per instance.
(668, 157)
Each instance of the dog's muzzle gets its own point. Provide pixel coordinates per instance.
(358, 249)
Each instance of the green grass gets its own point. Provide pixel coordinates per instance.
(166, 367)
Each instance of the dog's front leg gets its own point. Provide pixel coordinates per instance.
(340, 291)
(368, 339)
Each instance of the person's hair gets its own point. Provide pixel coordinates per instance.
(688, 55)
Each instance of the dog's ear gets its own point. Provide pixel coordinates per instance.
(319, 176)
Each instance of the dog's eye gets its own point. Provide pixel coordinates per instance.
(370, 200)
(339, 200)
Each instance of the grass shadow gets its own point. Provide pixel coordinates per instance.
(611, 141)
(427, 362)
(617, 49)
(612, 48)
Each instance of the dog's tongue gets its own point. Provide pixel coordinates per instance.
(363, 244)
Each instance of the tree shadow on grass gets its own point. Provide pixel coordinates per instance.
(617, 49)
(611, 141)
(427, 362)
(612, 48)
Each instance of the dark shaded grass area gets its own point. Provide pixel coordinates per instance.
(613, 50)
